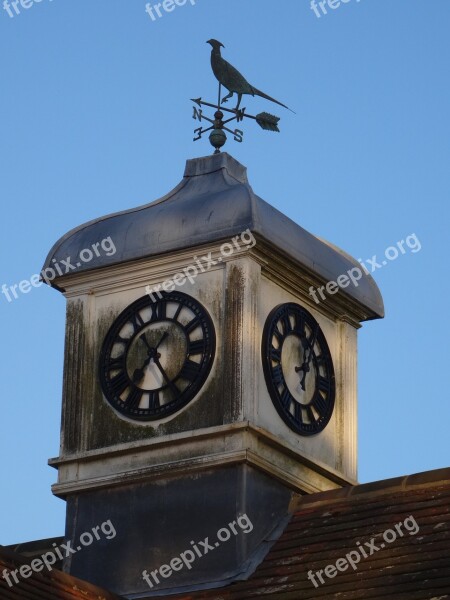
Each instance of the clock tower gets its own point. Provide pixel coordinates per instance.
(204, 380)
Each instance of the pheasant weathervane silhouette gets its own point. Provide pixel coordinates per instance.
(231, 79)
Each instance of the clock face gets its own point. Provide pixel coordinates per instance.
(156, 356)
(298, 369)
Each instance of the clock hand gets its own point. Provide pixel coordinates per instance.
(311, 346)
(165, 335)
(303, 379)
(170, 383)
(151, 349)
(140, 373)
(306, 362)
(143, 337)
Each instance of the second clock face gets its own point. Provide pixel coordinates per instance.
(298, 369)
(156, 356)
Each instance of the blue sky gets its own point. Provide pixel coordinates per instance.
(96, 118)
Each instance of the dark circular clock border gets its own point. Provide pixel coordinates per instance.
(304, 429)
(191, 390)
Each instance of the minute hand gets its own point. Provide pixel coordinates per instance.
(170, 383)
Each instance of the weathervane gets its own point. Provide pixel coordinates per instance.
(235, 83)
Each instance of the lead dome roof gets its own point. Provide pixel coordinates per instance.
(214, 201)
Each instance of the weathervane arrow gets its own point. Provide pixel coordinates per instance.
(234, 82)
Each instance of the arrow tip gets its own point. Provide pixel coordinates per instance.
(197, 101)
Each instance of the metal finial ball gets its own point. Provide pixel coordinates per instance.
(217, 139)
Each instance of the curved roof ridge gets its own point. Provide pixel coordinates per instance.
(214, 201)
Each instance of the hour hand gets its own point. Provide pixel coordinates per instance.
(139, 374)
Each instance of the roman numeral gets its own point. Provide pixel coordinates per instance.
(177, 314)
(134, 398)
(192, 325)
(117, 364)
(277, 333)
(286, 399)
(277, 375)
(196, 347)
(190, 370)
(320, 405)
(311, 417)
(119, 383)
(321, 360)
(160, 311)
(137, 321)
(313, 337)
(275, 354)
(299, 326)
(324, 384)
(287, 327)
(173, 388)
(298, 413)
(153, 401)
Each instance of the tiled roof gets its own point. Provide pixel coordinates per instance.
(328, 526)
(397, 532)
(46, 585)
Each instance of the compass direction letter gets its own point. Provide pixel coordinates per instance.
(197, 113)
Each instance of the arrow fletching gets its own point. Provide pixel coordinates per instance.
(267, 121)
